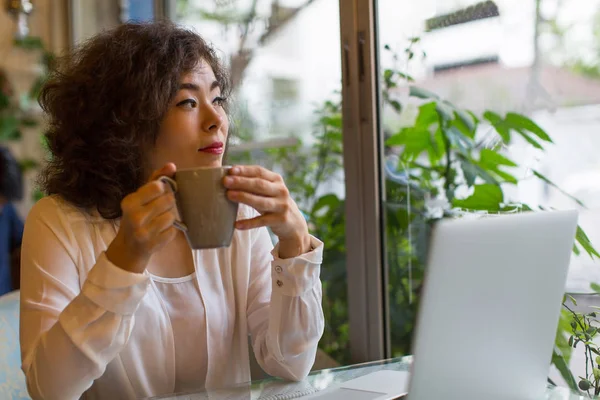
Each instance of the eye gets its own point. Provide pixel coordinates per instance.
(220, 101)
(187, 103)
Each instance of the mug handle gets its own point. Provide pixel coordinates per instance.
(171, 182)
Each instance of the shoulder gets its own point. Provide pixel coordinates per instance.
(59, 216)
(54, 208)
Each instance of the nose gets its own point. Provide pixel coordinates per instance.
(212, 119)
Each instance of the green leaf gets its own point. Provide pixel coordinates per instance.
(415, 141)
(485, 198)
(466, 119)
(498, 124)
(37, 195)
(48, 58)
(4, 100)
(396, 105)
(555, 186)
(29, 122)
(443, 111)
(388, 79)
(9, 126)
(469, 171)
(486, 175)
(519, 121)
(491, 161)
(28, 164)
(427, 115)
(422, 93)
(530, 140)
(36, 88)
(572, 299)
(459, 124)
(404, 76)
(596, 288)
(584, 241)
(332, 121)
(493, 158)
(506, 177)
(459, 139)
(563, 368)
(326, 201)
(29, 43)
(437, 147)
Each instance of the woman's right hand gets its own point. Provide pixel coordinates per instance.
(146, 223)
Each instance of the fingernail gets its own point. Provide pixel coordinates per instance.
(227, 181)
(240, 225)
(235, 170)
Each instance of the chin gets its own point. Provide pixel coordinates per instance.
(209, 162)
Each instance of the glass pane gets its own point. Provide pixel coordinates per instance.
(287, 80)
(489, 106)
(138, 10)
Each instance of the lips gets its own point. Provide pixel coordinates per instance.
(214, 148)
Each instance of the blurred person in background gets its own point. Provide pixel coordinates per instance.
(11, 225)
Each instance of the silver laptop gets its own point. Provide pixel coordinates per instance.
(490, 306)
(488, 314)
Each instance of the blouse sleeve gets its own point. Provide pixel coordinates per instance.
(285, 316)
(69, 333)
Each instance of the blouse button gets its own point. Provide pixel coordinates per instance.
(278, 269)
(279, 283)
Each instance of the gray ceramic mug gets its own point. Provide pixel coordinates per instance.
(207, 215)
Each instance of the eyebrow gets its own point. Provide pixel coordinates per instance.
(193, 86)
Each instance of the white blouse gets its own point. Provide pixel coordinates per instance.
(186, 313)
(90, 329)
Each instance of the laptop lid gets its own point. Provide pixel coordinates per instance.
(490, 306)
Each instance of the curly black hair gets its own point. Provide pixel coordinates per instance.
(105, 101)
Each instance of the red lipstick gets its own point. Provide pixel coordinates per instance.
(214, 148)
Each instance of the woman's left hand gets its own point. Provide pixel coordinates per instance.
(265, 191)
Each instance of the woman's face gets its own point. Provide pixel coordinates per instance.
(194, 130)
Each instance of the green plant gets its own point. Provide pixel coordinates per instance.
(309, 172)
(582, 329)
(16, 110)
(443, 152)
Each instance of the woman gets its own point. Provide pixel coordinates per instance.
(114, 304)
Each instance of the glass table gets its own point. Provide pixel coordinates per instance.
(277, 389)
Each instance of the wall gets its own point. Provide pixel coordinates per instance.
(93, 16)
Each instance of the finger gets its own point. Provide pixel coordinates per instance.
(148, 193)
(261, 204)
(161, 223)
(167, 170)
(257, 222)
(255, 171)
(165, 237)
(158, 206)
(257, 186)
